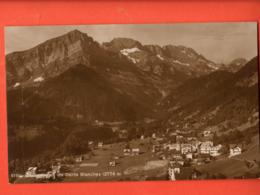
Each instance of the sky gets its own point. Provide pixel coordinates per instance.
(219, 42)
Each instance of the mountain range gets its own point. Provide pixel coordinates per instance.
(76, 78)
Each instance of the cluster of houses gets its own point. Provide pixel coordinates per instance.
(179, 148)
(43, 173)
(182, 150)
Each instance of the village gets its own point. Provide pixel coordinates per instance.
(169, 155)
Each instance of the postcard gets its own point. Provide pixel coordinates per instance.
(132, 102)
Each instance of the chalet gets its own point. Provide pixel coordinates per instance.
(205, 147)
(186, 148)
(31, 172)
(215, 150)
(112, 163)
(135, 151)
(235, 150)
(127, 152)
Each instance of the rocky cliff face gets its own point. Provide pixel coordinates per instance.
(50, 58)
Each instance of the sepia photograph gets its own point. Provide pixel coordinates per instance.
(132, 102)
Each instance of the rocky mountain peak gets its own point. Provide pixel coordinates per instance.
(155, 49)
(49, 58)
(120, 43)
(236, 64)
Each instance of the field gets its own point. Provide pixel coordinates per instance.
(139, 167)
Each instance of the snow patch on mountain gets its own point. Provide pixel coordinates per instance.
(181, 63)
(126, 52)
(160, 57)
(211, 65)
(133, 59)
(38, 79)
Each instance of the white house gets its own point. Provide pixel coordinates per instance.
(189, 155)
(186, 148)
(127, 151)
(31, 172)
(205, 147)
(135, 151)
(234, 150)
(112, 163)
(215, 150)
